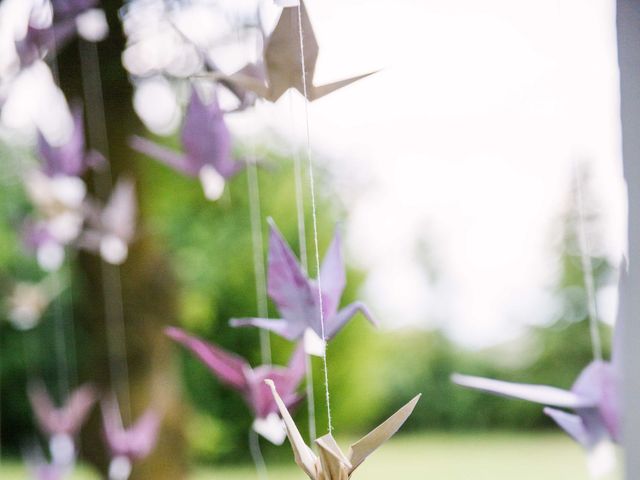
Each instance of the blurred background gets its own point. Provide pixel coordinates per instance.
(451, 173)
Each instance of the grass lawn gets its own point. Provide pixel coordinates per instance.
(491, 456)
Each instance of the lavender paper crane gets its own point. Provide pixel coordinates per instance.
(70, 159)
(40, 469)
(38, 239)
(282, 68)
(593, 397)
(236, 372)
(46, 471)
(207, 147)
(112, 228)
(332, 464)
(127, 445)
(296, 296)
(69, 17)
(61, 425)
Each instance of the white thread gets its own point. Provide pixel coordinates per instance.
(111, 280)
(71, 329)
(60, 343)
(297, 171)
(314, 215)
(302, 242)
(255, 208)
(311, 404)
(258, 257)
(587, 269)
(256, 455)
(59, 313)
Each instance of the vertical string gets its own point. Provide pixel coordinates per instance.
(311, 401)
(587, 268)
(256, 455)
(60, 333)
(111, 279)
(297, 170)
(258, 257)
(62, 362)
(70, 326)
(314, 215)
(302, 244)
(255, 212)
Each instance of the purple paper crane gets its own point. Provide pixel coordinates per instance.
(296, 296)
(62, 424)
(40, 469)
(70, 159)
(127, 445)
(112, 228)
(47, 472)
(207, 147)
(38, 239)
(66, 420)
(69, 17)
(593, 397)
(235, 372)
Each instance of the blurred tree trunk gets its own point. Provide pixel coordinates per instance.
(148, 285)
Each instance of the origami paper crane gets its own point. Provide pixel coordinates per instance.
(207, 147)
(282, 67)
(46, 471)
(69, 17)
(40, 469)
(127, 445)
(62, 424)
(296, 296)
(28, 302)
(236, 372)
(66, 420)
(70, 159)
(112, 228)
(38, 239)
(58, 201)
(332, 464)
(593, 398)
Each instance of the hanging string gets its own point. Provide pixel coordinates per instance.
(60, 315)
(70, 326)
(111, 279)
(587, 267)
(297, 171)
(62, 361)
(302, 243)
(314, 216)
(258, 257)
(255, 212)
(256, 455)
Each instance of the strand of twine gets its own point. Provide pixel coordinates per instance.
(302, 243)
(256, 455)
(258, 258)
(111, 278)
(297, 172)
(587, 268)
(314, 216)
(61, 343)
(62, 362)
(255, 211)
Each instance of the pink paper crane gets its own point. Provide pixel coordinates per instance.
(236, 373)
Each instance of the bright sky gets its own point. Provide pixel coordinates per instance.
(458, 154)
